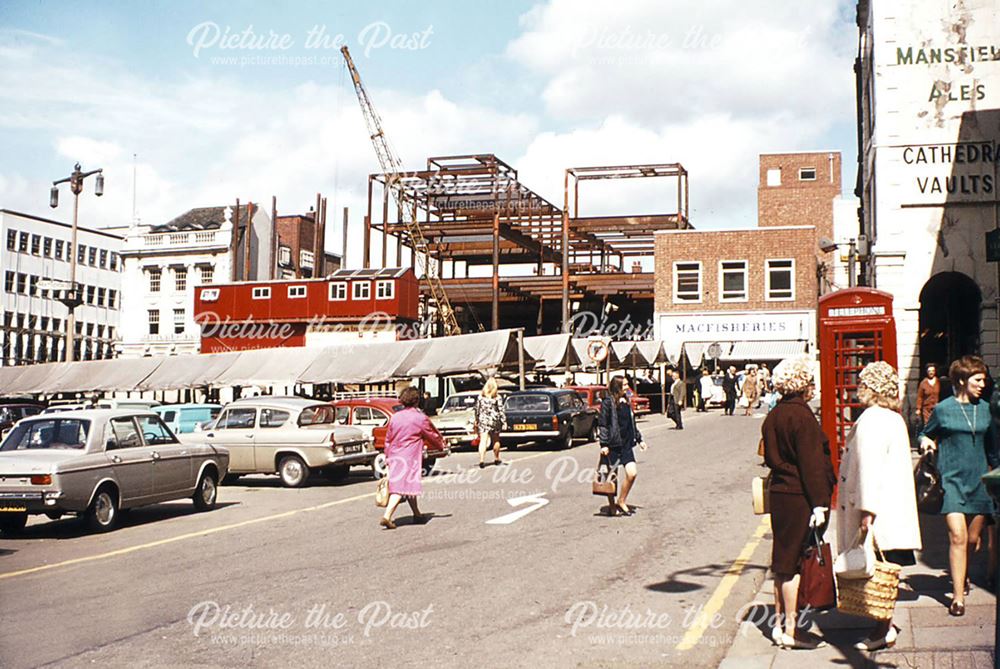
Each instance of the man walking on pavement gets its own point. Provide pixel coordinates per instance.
(729, 387)
(677, 393)
(705, 387)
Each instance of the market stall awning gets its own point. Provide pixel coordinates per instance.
(189, 371)
(766, 350)
(652, 352)
(268, 367)
(476, 352)
(363, 362)
(553, 352)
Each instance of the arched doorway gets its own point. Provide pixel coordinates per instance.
(949, 319)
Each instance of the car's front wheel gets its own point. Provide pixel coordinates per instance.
(293, 471)
(595, 433)
(566, 442)
(13, 523)
(102, 514)
(206, 494)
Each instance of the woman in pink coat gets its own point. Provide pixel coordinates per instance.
(408, 429)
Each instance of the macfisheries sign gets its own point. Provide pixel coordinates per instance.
(737, 326)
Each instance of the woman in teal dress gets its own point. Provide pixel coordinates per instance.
(959, 426)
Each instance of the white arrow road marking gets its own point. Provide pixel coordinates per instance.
(537, 501)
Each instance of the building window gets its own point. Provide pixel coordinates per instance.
(59, 249)
(91, 294)
(210, 295)
(285, 256)
(100, 296)
(104, 259)
(22, 283)
(687, 282)
(774, 177)
(36, 245)
(733, 281)
(306, 259)
(12, 240)
(262, 293)
(154, 280)
(92, 256)
(807, 174)
(361, 290)
(207, 275)
(81, 253)
(47, 247)
(385, 290)
(180, 279)
(113, 262)
(780, 278)
(296, 292)
(8, 281)
(22, 242)
(178, 321)
(112, 297)
(338, 290)
(154, 321)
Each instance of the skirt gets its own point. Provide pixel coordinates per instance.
(790, 515)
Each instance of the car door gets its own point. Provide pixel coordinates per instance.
(582, 418)
(171, 459)
(130, 459)
(171, 417)
(234, 430)
(269, 437)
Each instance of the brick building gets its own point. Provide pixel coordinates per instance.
(752, 291)
(297, 249)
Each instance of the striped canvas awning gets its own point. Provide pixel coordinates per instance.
(767, 350)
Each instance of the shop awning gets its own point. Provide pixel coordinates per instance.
(766, 350)
(552, 351)
(189, 371)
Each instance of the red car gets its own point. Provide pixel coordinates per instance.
(371, 415)
(592, 396)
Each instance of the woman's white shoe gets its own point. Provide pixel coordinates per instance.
(888, 641)
(776, 635)
(790, 642)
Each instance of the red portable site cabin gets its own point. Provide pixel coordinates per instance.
(856, 327)
(268, 314)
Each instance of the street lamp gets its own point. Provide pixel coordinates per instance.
(71, 298)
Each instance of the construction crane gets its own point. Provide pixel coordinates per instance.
(392, 167)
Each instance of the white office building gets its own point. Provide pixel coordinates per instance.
(164, 263)
(36, 251)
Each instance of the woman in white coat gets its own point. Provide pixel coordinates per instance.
(876, 482)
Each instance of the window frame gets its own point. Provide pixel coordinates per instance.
(746, 280)
(297, 292)
(153, 321)
(180, 325)
(767, 279)
(341, 287)
(356, 285)
(12, 240)
(261, 293)
(155, 276)
(36, 245)
(180, 279)
(814, 177)
(382, 283)
(701, 282)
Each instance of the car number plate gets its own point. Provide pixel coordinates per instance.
(13, 509)
(353, 448)
(525, 426)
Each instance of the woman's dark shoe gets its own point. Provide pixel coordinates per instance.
(497, 463)
(387, 524)
(957, 609)
(482, 465)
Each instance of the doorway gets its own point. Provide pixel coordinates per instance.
(950, 305)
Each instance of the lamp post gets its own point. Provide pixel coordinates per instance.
(853, 253)
(71, 298)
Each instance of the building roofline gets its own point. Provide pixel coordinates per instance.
(760, 228)
(800, 153)
(96, 231)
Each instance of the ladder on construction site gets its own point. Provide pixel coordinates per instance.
(392, 167)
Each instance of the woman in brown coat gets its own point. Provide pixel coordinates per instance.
(802, 479)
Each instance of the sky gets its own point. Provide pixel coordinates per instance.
(207, 102)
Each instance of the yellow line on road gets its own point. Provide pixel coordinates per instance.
(181, 537)
(714, 605)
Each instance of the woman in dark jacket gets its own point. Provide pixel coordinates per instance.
(802, 479)
(619, 435)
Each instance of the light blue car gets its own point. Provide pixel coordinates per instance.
(184, 418)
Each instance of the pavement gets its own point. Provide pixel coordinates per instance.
(930, 638)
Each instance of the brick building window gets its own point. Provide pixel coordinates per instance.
(774, 177)
(807, 174)
(180, 279)
(154, 321)
(361, 290)
(733, 281)
(338, 291)
(780, 280)
(154, 280)
(178, 321)
(385, 290)
(687, 282)
(296, 292)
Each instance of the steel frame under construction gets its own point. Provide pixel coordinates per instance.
(473, 211)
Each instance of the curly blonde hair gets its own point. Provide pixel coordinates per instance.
(792, 376)
(878, 385)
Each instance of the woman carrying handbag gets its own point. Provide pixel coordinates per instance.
(618, 436)
(876, 495)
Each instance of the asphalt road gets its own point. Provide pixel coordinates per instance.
(306, 578)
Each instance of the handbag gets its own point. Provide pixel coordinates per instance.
(817, 589)
(858, 561)
(382, 492)
(760, 489)
(873, 597)
(927, 483)
(605, 478)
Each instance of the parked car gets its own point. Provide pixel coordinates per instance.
(371, 414)
(290, 436)
(593, 395)
(97, 462)
(185, 418)
(557, 415)
(457, 417)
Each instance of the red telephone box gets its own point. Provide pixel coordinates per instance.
(856, 327)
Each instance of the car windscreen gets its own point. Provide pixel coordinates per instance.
(54, 433)
(319, 414)
(528, 403)
(459, 402)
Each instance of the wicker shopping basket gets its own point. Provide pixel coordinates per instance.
(873, 597)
